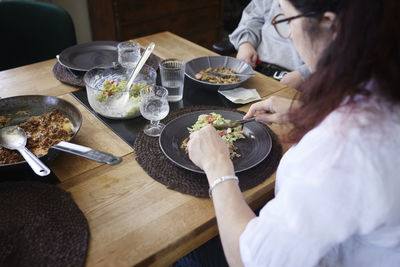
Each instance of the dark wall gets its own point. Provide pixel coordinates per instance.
(232, 13)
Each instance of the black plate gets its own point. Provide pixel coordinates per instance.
(83, 57)
(253, 149)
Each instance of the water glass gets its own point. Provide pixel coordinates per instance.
(172, 77)
(154, 107)
(128, 54)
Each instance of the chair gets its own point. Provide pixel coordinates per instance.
(231, 17)
(224, 48)
(32, 32)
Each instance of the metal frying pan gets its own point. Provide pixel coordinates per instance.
(21, 108)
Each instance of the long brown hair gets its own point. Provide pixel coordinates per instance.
(366, 47)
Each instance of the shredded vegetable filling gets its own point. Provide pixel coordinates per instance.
(230, 135)
(110, 88)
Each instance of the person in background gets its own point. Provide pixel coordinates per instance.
(337, 200)
(258, 44)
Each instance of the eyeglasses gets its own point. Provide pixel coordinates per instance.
(282, 23)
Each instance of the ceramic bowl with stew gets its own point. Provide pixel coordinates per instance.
(196, 65)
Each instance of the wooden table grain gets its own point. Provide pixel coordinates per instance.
(133, 220)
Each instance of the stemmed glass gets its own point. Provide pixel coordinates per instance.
(154, 107)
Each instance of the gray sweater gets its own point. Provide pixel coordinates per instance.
(255, 27)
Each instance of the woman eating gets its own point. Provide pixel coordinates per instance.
(337, 200)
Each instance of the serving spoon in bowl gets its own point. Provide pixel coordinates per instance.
(123, 98)
(14, 138)
(140, 64)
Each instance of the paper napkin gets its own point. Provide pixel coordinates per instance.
(241, 95)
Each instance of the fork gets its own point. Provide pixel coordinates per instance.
(231, 74)
(233, 123)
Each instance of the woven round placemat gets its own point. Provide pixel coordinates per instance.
(75, 78)
(40, 225)
(64, 75)
(160, 168)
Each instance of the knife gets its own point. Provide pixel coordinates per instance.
(233, 123)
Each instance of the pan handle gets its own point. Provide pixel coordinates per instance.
(87, 152)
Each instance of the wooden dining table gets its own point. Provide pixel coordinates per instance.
(133, 219)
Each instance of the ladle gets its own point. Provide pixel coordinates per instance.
(14, 137)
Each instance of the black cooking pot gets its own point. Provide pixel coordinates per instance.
(21, 108)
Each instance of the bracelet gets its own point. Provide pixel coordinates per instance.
(220, 180)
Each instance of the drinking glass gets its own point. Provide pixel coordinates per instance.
(128, 54)
(172, 77)
(154, 107)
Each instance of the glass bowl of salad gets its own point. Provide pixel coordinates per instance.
(107, 93)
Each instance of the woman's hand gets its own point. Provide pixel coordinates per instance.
(272, 110)
(248, 54)
(210, 153)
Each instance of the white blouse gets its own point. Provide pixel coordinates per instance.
(337, 195)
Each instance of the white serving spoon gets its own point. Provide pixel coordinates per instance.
(121, 100)
(140, 64)
(14, 137)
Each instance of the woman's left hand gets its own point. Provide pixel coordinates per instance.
(210, 152)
